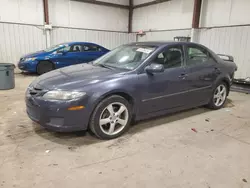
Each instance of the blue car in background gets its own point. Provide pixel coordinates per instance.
(61, 55)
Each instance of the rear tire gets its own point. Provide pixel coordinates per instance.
(219, 96)
(111, 118)
(44, 66)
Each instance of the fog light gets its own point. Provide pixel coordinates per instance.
(76, 108)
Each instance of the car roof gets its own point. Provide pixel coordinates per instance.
(160, 43)
(80, 43)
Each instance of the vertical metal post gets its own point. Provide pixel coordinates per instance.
(46, 22)
(130, 19)
(47, 34)
(196, 19)
(46, 11)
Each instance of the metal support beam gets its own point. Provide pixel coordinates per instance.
(150, 3)
(196, 14)
(47, 27)
(46, 11)
(104, 3)
(130, 19)
(196, 20)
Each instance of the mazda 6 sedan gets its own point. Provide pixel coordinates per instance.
(134, 81)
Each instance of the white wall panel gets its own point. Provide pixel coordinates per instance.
(138, 2)
(234, 41)
(17, 40)
(107, 39)
(225, 12)
(175, 14)
(22, 11)
(84, 15)
(164, 35)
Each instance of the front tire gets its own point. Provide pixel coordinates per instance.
(111, 118)
(44, 66)
(219, 96)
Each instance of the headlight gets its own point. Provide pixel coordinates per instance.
(63, 95)
(30, 59)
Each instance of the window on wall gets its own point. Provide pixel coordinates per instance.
(172, 57)
(196, 56)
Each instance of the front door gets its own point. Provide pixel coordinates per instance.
(68, 56)
(168, 89)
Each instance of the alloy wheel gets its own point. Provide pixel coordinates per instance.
(220, 95)
(114, 118)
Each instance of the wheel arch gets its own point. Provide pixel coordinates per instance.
(227, 81)
(41, 60)
(121, 93)
(99, 97)
(47, 60)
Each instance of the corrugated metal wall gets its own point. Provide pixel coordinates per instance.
(108, 39)
(225, 13)
(19, 39)
(76, 14)
(164, 35)
(170, 15)
(234, 41)
(21, 25)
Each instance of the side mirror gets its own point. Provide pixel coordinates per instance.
(154, 68)
(64, 52)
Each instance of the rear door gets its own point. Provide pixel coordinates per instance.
(202, 70)
(90, 52)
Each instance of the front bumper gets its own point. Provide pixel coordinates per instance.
(54, 115)
(27, 66)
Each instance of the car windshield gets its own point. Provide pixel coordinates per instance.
(125, 57)
(56, 47)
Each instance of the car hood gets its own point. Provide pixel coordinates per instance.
(75, 77)
(35, 54)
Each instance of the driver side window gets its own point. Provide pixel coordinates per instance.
(64, 49)
(171, 57)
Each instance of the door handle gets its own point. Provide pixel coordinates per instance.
(217, 70)
(183, 76)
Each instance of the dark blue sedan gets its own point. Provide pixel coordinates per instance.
(137, 80)
(61, 55)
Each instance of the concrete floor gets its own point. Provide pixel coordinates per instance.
(164, 152)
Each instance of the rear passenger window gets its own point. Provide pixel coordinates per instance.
(91, 48)
(196, 55)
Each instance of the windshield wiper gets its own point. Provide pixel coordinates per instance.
(105, 66)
